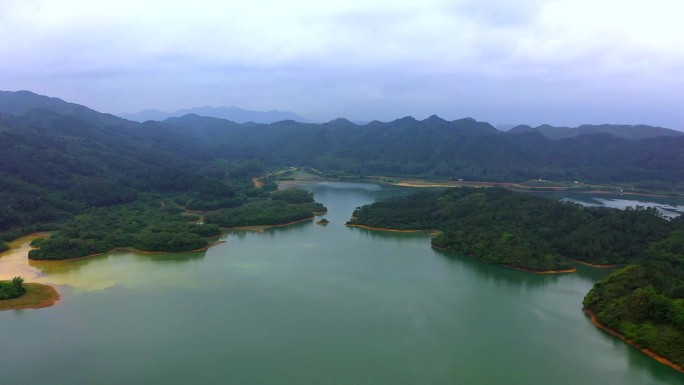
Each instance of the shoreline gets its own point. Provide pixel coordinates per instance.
(382, 228)
(602, 190)
(128, 250)
(526, 270)
(598, 266)
(519, 268)
(266, 227)
(49, 293)
(663, 360)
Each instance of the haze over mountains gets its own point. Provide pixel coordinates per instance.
(235, 114)
(430, 148)
(60, 158)
(619, 130)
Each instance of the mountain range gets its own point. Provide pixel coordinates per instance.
(51, 144)
(59, 158)
(235, 114)
(619, 130)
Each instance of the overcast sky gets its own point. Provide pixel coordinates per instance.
(563, 62)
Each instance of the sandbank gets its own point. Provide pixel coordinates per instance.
(37, 296)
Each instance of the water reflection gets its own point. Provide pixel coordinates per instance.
(500, 275)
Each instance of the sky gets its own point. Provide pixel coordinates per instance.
(561, 62)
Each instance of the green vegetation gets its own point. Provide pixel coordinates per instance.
(143, 226)
(160, 225)
(3, 246)
(618, 130)
(12, 289)
(645, 302)
(36, 296)
(101, 182)
(519, 230)
(293, 195)
(285, 206)
(438, 149)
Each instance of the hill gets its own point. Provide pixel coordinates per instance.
(436, 148)
(235, 114)
(621, 131)
(60, 158)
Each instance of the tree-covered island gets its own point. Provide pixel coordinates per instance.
(15, 294)
(643, 301)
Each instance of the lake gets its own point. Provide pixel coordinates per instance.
(311, 304)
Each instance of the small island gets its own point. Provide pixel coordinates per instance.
(323, 222)
(16, 294)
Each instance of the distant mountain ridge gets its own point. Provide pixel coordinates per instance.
(633, 132)
(235, 114)
(407, 147)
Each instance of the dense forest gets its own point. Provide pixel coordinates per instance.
(61, 159)
(162, 225)
(644, 301)
(12, 289)
(518, 230)
(140, 226)
(72, 170)
(284, 206)
(439, 149)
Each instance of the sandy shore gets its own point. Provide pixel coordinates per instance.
(650, 353)
(37, 296)
(14, 262)
(517, 187)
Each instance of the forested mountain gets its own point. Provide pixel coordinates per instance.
(235, 114)
(619, 130)
(58, 157)
(461, 149)
(434, 147)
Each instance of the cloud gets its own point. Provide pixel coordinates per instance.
(497, 60)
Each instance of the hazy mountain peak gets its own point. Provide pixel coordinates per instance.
(633, 132)
(341, 122)
(235, 114)
(434, 119)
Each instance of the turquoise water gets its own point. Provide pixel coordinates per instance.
(310, 304)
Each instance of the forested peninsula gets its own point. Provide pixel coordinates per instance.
(643, 301)
(150, 225)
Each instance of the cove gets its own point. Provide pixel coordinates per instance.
(308, 304)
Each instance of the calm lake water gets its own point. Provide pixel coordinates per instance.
(309, 304)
